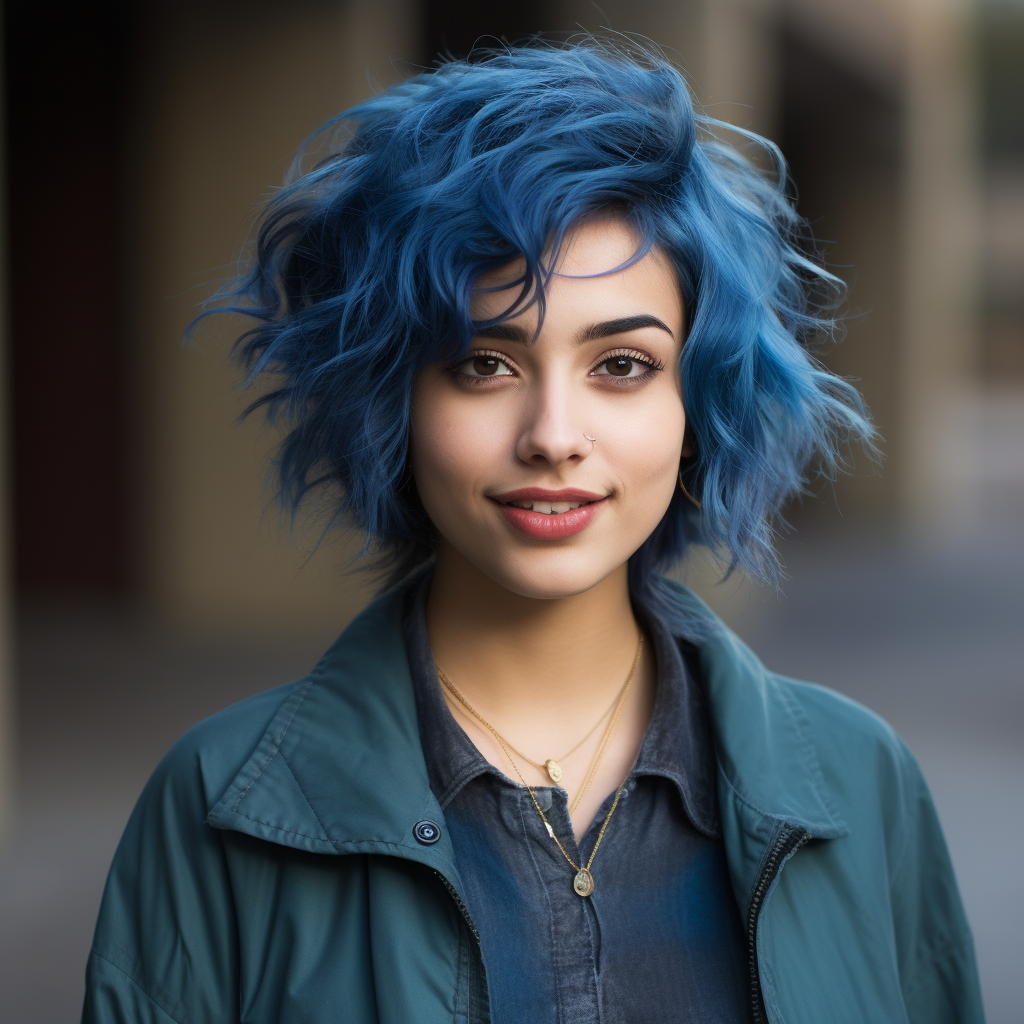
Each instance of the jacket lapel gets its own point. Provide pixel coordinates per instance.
(340, 769)
(769, 774)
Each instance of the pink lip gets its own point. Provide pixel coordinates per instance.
(542, 526)
(544, 494)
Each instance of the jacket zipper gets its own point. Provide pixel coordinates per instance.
(463, 909)
(474, 997)
(789, 839)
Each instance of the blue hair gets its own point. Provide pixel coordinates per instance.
(363, 269)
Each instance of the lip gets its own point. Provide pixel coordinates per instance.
(543, 494)
(542, 526)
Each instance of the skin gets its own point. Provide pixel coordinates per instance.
(539, 634)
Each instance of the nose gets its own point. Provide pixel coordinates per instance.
(552, 432)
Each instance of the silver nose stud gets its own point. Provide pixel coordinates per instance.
(592, 440)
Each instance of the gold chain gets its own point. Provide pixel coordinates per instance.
(539, 766)
(583, 883)
(595, 764)
(584, 886)
(506, 746)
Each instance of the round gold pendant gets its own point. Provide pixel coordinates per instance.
(554, 770)
(583, 883)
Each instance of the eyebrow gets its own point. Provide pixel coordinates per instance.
(604, 329)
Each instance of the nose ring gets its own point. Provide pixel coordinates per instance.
(592, 440)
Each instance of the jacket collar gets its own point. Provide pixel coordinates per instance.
(340, 769)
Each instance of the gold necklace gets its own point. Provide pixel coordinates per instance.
(552, 765)
(583, 880)
(595, 764)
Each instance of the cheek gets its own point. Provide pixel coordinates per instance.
(450, 448)
(647, 447)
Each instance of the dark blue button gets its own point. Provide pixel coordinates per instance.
(426, 832)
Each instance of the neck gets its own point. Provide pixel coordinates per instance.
(519, 655)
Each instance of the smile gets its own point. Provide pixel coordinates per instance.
(549, 515)
(547, 508)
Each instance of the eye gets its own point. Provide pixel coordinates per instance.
(625, 365)
(484, 364)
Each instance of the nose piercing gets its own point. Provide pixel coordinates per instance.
(592, 440)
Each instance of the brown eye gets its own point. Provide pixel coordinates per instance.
(485, 366)
(626, 366)
(619, 366)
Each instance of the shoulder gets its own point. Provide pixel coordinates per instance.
(865, 766)
(883, 795)
(168, 832)
(207, 757)
(166, 932)
(798, 751)
(759, 712)
(844, 730)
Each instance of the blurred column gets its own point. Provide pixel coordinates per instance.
(938, 371)
(218, 129)
(737, 63)
(726, 47)
(6, 661)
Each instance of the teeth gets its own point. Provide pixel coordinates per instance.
(550, 508)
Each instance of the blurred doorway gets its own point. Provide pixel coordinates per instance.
(64, 85)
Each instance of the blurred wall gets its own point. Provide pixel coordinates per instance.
(214, 135)
(873, 103)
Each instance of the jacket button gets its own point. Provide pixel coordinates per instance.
(426, 832)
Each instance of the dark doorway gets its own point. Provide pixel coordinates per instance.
(454, 27)
(63, 87)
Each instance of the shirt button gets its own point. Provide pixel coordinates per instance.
(426, 832)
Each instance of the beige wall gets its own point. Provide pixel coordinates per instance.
(938, 370)
(219, 131)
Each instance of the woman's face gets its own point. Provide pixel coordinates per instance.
(500, 450)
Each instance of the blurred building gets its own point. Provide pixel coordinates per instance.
(143, 138)
(140, 139)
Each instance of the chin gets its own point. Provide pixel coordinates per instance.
(551, 579)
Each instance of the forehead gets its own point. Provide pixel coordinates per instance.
(592, 273)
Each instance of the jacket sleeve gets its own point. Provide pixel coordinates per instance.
(165, 947)
(938, 973)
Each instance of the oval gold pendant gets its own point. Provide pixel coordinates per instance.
(554, 770)
(583, 883)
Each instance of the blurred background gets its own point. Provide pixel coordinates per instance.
(144, 585)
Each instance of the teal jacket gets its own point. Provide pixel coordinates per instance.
(271, 871)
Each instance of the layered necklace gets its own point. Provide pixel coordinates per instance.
(583, 879)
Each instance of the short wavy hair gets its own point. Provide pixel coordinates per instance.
(363, 269)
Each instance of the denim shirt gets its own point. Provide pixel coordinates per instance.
(660, 939)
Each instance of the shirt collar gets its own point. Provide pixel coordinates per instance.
(677, 745)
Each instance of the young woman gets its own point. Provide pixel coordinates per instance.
(536, 331)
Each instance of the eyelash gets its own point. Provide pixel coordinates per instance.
(653, 367)
(483, 353)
